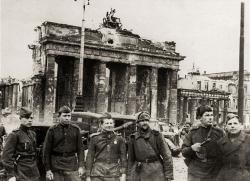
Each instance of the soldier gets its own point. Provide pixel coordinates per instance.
(106, 158)
(19, 153)
(234, 152)
(199, 147)
(63, 154)
(149, 157)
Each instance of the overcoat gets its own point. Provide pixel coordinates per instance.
(152, 153)
(204, 165)
(19, 155)
(235, 158)
(106, 157)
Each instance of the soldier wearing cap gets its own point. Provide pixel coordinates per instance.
(63, 154)
(234, 151)
(19, 153)
(199, 147)
(149, 157)
(107, 156)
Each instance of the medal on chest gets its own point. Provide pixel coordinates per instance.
(115, 142)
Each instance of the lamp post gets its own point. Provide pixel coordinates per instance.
(79, 98)
(241, 67)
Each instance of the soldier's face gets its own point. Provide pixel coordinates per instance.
(143, 125)
(65, 117)
(233, 126)
(207, 118)
(27, 121)
(108, 124)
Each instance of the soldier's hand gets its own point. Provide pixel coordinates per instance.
(12, 179)
(196, 147)
(123, 177)
(88, 179)
(49, 175)
(81, 171)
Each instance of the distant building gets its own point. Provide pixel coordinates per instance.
(232, 86)
(195, 89)
(10, 94)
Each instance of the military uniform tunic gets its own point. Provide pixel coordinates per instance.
(147, 149)
(106, 156)
(63, 150)
(19, 155)
(235, 158)
(205, 164)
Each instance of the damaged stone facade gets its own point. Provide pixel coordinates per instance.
(10, 94)
(122, 72)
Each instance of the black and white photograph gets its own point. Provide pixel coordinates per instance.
(125, 90)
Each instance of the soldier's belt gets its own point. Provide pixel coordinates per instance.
(149, 160)
(102, 160)
(63, 154)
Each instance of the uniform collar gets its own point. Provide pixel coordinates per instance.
(24, 128)
(144, 135)
(240, 138)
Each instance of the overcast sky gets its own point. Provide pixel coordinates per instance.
(205, 31)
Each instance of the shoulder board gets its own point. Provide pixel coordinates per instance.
(74, 125)
(54, 126)
(155, 132)
(194, 127)
(94, 134)
(219, 129)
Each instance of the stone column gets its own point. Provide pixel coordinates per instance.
(225, 110)
(101, 104)
(173, 98)
(15, 97)
(185, 109)
(131, 94)
(38, 91)
(154, 77)
(216, 110)
(193, 110)
(50, 88)
(181, 105)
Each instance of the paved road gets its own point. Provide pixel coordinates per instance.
(180, 169)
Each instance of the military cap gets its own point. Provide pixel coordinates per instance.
(106, 115)
(64, 109)
(231, 116)
(201, 110)
(143, 116)
(25, 112)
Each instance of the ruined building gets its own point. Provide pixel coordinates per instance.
(122, 72)
(197, 89)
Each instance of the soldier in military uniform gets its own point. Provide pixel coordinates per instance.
(19, 153)
(63, 154)
(199, 147)
(234, 152)
(106, 158)
(149, 157)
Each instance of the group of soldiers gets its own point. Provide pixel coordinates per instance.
(211, 154)
(146, 156)
(214, 154)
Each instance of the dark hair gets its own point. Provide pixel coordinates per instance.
(64, 109)
(201, 110)
(231, 116)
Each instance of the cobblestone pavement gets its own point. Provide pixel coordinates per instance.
(180, 169)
